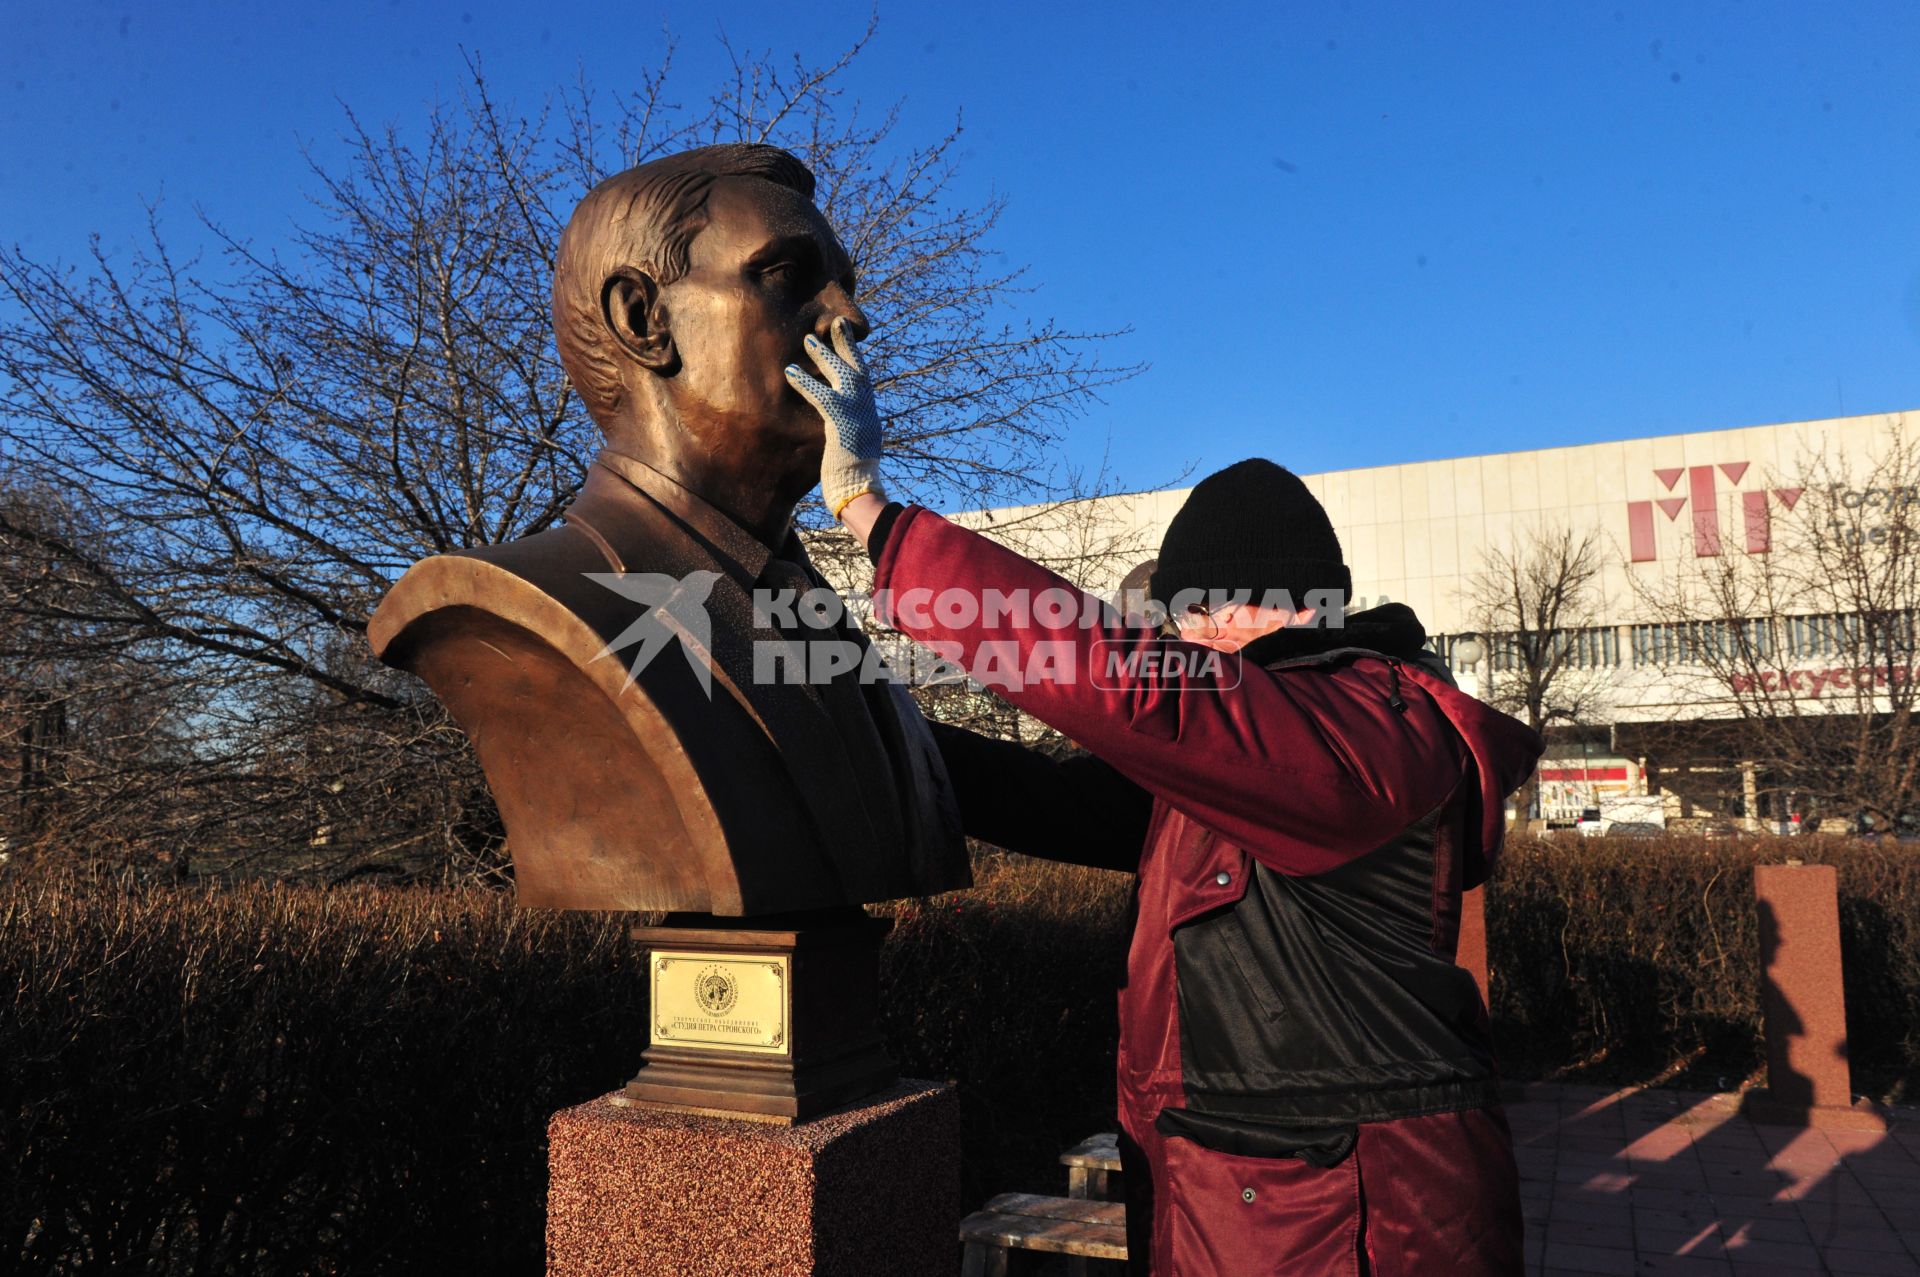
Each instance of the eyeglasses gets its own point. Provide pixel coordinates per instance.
(1197, 622)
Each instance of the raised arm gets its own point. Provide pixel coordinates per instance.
(1075, 809)
(1305, 769)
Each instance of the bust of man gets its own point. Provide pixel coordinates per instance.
(700, 779)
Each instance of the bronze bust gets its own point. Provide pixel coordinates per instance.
(682, 289)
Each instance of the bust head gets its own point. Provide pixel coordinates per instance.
(682, 289)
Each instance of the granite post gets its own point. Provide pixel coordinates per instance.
(1803, 1003)
(1471, 949)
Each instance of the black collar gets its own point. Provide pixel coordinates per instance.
(1391, 629)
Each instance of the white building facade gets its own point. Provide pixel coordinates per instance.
(1418, 533)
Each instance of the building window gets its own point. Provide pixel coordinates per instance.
(1893, 636)
(1688, 642)
(1598, 647)
(1594, 649)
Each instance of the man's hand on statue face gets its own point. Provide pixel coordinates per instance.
(850, 463)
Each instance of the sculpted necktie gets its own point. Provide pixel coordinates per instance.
(845, 703)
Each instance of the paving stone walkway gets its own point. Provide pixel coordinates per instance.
(1655, 1181)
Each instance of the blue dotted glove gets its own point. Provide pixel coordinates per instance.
(851, 463)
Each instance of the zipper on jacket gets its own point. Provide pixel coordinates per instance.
(1398, 705)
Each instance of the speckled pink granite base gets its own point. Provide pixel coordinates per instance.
(870, 1191)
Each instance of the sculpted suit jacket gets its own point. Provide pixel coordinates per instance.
(633, 786)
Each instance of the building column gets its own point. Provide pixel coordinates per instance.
(1750, 796)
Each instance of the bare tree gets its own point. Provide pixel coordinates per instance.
(1807, 651)
(82, 736)
(1537, 602)
(266, 442)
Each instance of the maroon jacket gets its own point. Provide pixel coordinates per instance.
(1305, 1080)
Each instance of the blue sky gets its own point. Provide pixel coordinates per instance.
(1343, 234)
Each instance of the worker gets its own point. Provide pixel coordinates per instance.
(1306, 1077)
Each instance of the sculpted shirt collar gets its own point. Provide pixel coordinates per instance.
(747, 553)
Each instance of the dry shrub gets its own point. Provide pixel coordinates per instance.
(1630, 960)
(266, 1079)
(291, 1079)
(273, 1079)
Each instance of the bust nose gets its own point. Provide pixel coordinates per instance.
(836, 303)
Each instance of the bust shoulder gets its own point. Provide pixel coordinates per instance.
(534, 581)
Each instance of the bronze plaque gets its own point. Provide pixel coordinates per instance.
(721, 1001)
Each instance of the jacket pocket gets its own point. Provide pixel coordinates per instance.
(1238, 1036)
(1320, 1146)
(1228, 1215)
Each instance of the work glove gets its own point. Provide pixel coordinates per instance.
(851, 463)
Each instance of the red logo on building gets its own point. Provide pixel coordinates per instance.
(1703, 494)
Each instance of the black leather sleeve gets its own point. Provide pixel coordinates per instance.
(1075, 809)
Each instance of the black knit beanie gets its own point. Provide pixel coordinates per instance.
(1252, 527)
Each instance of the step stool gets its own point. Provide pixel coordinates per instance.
(1028, 1222)
(1093, 1168)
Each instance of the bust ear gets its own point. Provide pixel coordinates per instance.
(636, 316)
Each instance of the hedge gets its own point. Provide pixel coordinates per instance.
(281, 1079)
(1638, 960)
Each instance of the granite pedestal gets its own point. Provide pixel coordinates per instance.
(872, 1190)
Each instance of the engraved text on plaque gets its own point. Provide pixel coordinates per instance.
(723, 1001)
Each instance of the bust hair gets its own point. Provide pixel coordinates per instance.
(644, 218)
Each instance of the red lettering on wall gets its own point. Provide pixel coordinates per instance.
(1706, 512)
(1640, 531)
(1759, 522)
(1814, 682)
